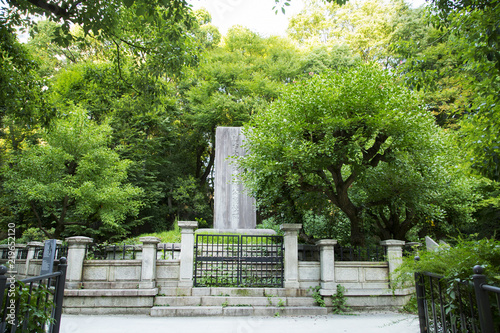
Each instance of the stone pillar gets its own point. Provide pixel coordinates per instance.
(76, 255)
(31, 254)
(291, 254)
(394, 254)
(148, 269)
(327, 266)
(187, 253)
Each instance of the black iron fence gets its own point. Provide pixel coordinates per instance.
(238, 261)
(61, 251)
(22, 253)
(169, 250)
(32, 305)
(308, 252)
(367, 253)
(95, 251)
(457, 306)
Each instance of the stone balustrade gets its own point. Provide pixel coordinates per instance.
(154, 275)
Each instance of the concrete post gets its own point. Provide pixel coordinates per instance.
(394, 254)
(76, 255)
(148, 269)
(187, 253)
(327, 266)
(291, 254)
(31, 254)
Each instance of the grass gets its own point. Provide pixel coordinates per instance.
(168, 236)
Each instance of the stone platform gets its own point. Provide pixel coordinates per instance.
(252, 232)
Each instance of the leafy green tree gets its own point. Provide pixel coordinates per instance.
(427, 192)
(231, 83)
(22, 106)
(72, 181)
(364, 26)
(454, 60)
(325, 134)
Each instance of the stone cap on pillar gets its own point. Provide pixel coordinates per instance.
(291, 226)
(188, 224)
(34, 244)
(392, 242)
(79, 240)
(326, 242)
(149, 240)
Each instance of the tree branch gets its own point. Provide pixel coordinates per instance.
(60, 221)
(52, 8)
(371, 156)
(208, 169)
(120, 67)
(33, 208)
(330, 189)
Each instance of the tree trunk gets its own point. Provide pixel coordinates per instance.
(357, 235)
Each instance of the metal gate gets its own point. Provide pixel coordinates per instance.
(238, 261)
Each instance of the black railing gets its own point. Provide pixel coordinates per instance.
(168, 250)
(308, 252)
(489, 312)
(22, 253)
(238, 261)
(61, 251)
(367, 253)
(33, 304)
(457, 306)
(110, 252)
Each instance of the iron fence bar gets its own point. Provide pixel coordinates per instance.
(239, 263)
(433, 304)
(498, 303)
(441, 306)
(471, 308)
(420, 293)
(27, 313)
(59, 295)
(195, 261)
(483, 302)
(463, 323)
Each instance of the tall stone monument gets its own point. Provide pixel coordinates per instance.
(233, 208)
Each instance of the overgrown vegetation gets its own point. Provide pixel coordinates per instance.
(107, 126)
(339, 301)
(35, 308)
(455, 261)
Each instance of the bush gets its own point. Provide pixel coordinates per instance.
(455, 261)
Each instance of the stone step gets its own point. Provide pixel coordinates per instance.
(233, 301)
(236, 292)
(205, 311)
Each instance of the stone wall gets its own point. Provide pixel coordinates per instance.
(129, 286)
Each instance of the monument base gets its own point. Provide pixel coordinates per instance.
(252, 232)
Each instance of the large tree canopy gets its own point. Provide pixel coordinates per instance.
(72, 180)
(325, 134)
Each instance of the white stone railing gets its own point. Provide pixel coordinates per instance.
(150, 270)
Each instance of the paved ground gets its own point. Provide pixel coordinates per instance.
(356, 323)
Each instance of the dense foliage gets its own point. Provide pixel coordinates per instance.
(456, 261)
(388, 117)
(352, 139)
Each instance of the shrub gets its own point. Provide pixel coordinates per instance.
(455, 261)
